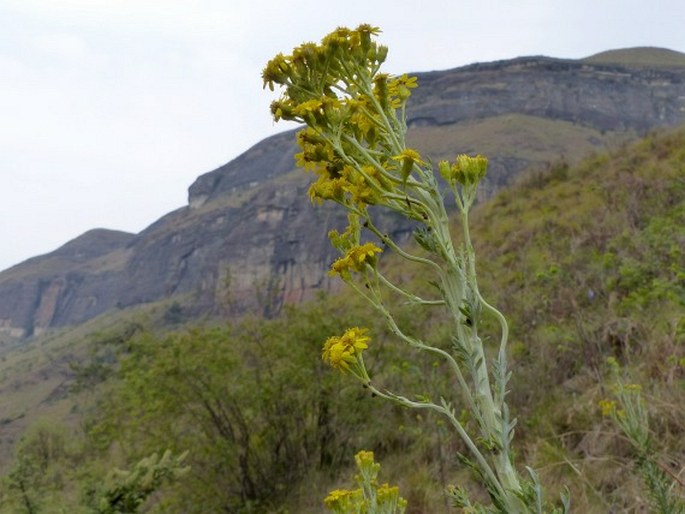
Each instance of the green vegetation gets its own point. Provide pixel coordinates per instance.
(590, 265)
(514, 137)
(370, 496)
(354, 140)
(640, 56)
(587, 261)
(595, 270)
(255, 412)
(629, 412)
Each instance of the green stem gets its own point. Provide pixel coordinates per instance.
(493, 409)
(464, 391)
(373, 161)
(485, 468)
(391, 244)
(411, 297)
(365, 87)
(504, 326)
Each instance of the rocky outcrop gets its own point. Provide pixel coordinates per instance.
(74, 283)
(249, 238)
(232, 256)
(266, 160)
(602, 96)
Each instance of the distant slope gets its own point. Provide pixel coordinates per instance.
(641, 56)
(249, 238)
(82, 252)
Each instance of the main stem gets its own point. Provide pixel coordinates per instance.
(460, 278)
(494, 410)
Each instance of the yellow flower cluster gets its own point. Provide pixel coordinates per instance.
(364, 458)
(390, 495)
(608, 407)
(357, 42)
(350, 186)
(325, 188)
(313, 72)
(466, 170)
(317, 154)
(401, 86)
(336, 180)
(343, 500)
(369, 497)
(335, 88)
(355, 259)
(342, 351)
(408, 157)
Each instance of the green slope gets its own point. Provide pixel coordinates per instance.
(640, 56)
(587, 261)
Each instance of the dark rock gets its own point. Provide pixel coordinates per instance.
(602, 96)
(267, 159)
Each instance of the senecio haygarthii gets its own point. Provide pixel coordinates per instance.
(354, 143)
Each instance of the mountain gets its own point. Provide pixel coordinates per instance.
(249, 239)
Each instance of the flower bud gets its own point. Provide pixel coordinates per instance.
(445, 170)
(472, 169)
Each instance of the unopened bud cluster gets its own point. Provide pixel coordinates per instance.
(465, 170)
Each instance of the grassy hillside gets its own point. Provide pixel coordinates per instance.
(514, 143)
(640, 56)
(37, 378)
(516, 136)
(588, 263)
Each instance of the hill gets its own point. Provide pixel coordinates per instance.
(248, 240)
(587, 262)
(647, 57)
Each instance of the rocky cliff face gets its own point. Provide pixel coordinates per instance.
(249, 238)
(603, 96)
(75, 282)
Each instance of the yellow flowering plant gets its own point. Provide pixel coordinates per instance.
(345, 352)
(354, 142)
(369, 497)
(629, 412)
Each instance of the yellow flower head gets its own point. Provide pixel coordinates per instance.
(342, 500)
(388, 494)
(410, 155)
(276, 71)
(407, 81)
(408, 158)
(316, 154)
(608, 407)
(400, 87)
(342, 351)
(364, 458)
(355, 259)
(360, 192)
(282, 109)
(327, 189)
(317, 110)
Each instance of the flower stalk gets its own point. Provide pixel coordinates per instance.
(354, 143)
(629, 412)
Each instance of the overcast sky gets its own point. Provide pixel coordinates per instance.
(109, 109)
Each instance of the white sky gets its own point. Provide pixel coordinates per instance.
(109, 109)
